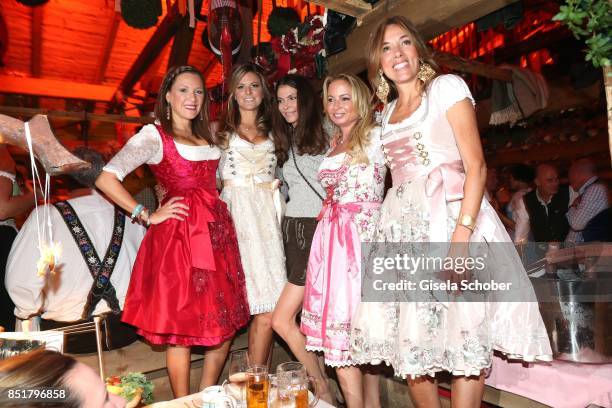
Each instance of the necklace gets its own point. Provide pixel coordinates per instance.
(247, 128)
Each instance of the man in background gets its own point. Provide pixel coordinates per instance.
(108, 244)
(588, 199)
(543, 209)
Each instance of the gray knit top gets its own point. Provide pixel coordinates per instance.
(301, 200)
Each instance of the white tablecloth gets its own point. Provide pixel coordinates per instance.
(193, 401)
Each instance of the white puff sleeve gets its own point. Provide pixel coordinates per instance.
(144, 147)
(449, 89)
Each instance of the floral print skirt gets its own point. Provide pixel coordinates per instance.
(422, 338)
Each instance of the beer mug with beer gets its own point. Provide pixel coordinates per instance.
(293, 386)
(257, 386)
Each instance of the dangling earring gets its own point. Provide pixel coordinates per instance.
(382, 90)
(201, 114)
(426, 72)
(168, 112)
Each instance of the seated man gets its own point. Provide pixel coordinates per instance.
(108, 244)
(546, 206)
(591, 198)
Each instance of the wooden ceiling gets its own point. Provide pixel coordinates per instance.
(83, 50)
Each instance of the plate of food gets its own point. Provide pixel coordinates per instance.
(134, 387)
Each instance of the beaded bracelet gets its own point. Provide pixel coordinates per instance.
(136, 212)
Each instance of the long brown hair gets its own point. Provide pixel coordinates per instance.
(361, 96)
(200, 124)
(307, 136)
(375, 51)
(231, 118)
(36, 369)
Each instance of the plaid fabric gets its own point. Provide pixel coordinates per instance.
(593, 200)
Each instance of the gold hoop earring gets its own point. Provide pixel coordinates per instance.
(426, 72)
(382, 90)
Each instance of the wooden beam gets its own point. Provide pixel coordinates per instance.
(55, 88)
(36, 38)
(472, 67)
(107, 46)
(547, 152)
(81, 116)
(354, 8)
(431, 18)
(181, 47)
(165, 31)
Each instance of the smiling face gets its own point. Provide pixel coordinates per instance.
(287, 98)
(340, 106)
(399, 58)
(249, 92)
(186, 96)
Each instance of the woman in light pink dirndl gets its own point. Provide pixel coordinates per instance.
(431, 142)
(353, 173)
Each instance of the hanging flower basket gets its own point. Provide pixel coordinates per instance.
(299, 50)
(141, 14)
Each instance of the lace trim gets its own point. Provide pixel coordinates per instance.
(265, 308)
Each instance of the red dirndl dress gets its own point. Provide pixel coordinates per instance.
(187, 286)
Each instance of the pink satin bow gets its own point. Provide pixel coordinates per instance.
(444, 184)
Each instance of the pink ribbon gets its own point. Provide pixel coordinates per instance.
(444, 184)
(340, 216)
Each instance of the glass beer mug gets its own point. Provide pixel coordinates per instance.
(257, 386)
(293, 386)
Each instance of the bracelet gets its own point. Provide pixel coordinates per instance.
(467, 221)
(136, 212)
(148, 220)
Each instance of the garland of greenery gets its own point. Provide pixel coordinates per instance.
(281, 20)
(590, 20)
(141, 14)
(33, 3)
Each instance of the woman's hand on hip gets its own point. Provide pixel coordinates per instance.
(173, 208)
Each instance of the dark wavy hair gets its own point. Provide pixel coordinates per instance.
(231, 119)
(308, 136)
(200, 124)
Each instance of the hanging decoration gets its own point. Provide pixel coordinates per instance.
(141, 14)
(299, 50)
(281, 20)
(223, 15)
(33, 3)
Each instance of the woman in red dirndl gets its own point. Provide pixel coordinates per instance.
(187, 286)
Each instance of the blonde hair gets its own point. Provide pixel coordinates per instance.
(375, 51)
(231, 119)
(359, 136)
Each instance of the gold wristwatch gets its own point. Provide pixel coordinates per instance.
(467, 221)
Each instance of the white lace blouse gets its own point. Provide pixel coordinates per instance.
(146, 147)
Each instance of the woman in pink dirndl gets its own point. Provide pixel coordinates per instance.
(353, 174)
